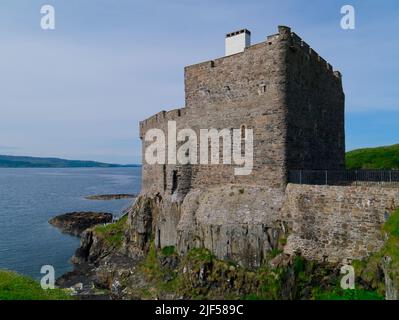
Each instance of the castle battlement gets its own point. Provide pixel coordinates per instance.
(160, 118)
(295, 43)
(311, 54)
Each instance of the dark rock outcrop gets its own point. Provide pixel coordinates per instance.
(75, 223)
(111, 196)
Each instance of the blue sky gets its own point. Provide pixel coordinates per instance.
(79, 91)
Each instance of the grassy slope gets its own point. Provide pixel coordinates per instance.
(16, 287)
(374, 158)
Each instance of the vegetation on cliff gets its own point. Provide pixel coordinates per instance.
(112, 233)
(16, 287)
(349, 294)
(373, 158)
(199, 275)
(164, 274)
(374, 271)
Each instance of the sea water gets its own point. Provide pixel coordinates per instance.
(30, 197)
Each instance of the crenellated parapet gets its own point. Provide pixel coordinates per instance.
(160, 119)
(310, 54)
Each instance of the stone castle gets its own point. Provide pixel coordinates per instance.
(280, 88)
(294, 102)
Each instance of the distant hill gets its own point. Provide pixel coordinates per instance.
(33, 162)
(374, 158)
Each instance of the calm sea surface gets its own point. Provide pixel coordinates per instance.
(30, 197)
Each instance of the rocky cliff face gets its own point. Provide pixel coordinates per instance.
(244, 227)
(248, 226)
(242, 223)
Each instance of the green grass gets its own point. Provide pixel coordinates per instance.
(16, 287)
(355, 294)
(373, 158)
(112, 233)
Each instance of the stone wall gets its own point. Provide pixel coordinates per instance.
(337, 222)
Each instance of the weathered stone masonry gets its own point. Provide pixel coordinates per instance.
(294, 102)
(335, 223)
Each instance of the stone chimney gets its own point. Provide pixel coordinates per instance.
(237, 41)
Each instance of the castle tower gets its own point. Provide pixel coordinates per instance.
(281, 89)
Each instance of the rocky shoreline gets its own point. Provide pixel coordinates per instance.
(74, 223)
(111, 196)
